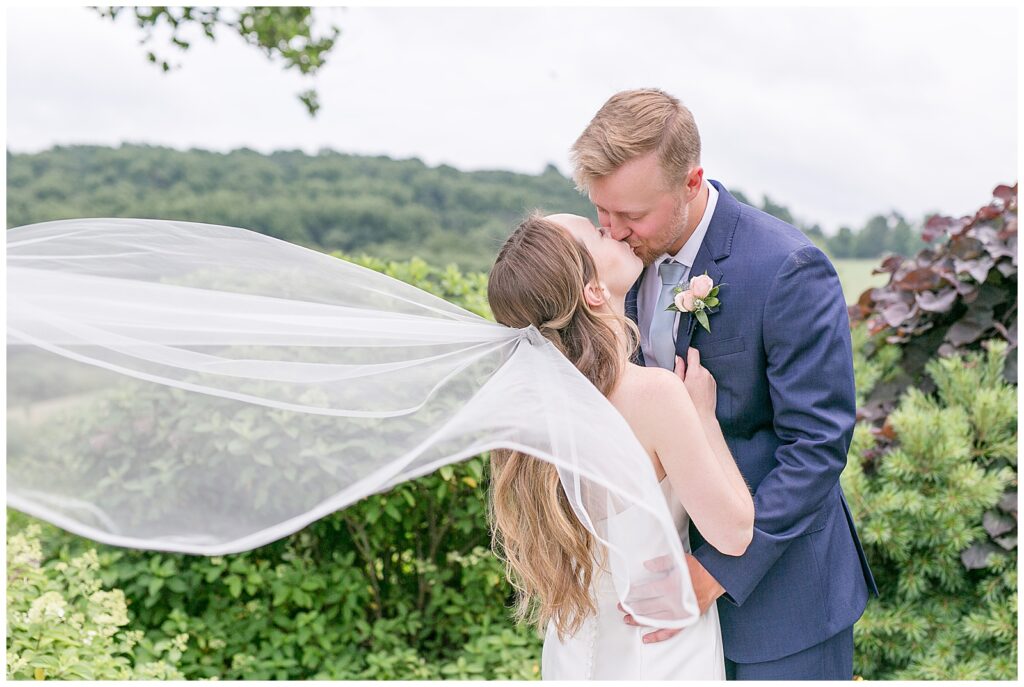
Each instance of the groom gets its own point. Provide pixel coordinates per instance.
(779, 350)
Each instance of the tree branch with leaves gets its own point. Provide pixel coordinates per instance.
(284, 33)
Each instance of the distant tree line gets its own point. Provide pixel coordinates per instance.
(389, 209)
(880, 235)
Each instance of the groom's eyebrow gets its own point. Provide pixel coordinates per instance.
(627, 211)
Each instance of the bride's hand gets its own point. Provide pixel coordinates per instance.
(699, 382)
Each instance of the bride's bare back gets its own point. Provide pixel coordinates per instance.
(632, 397)
(683, 439)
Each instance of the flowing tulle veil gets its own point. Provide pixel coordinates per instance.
(205, 389)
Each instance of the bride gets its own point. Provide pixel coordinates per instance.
(570, 279)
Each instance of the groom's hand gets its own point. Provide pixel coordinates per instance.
(706, 588)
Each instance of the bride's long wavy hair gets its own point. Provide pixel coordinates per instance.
(538, 278)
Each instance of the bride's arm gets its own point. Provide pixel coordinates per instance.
(700, 467)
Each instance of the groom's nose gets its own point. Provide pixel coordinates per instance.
(618, 230)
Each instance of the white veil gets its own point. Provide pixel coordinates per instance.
(207, 390)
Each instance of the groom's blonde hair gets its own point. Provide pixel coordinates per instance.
(631, 124)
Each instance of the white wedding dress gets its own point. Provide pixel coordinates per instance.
(606, 648)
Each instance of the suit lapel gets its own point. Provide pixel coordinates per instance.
(631, 299)
(687, 322)
(717, 245)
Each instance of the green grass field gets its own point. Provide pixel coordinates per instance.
(855, 274)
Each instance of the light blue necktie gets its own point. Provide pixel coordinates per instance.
(662, 341)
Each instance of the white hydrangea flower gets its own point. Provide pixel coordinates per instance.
(89, 560)
(112, 609)
(49, 605)
(23, 550)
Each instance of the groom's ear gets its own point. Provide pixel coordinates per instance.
(596, 294)
(694, 179)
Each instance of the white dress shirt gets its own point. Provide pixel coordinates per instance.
(650, 287)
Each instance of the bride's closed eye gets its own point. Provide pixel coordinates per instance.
(603, 231)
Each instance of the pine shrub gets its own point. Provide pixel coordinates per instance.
(948, 598)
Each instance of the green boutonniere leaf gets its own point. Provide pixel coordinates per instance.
(702, 317)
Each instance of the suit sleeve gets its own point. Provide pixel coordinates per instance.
(806, 333)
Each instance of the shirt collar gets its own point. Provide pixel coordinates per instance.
(688, 253)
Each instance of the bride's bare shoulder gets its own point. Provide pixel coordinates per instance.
(651, 376)
(640, 383)
(643, 395)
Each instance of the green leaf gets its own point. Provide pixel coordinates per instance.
(43, 662)
(711, 301)
(372, 512)
(81, 671)
(281, 594)
(177, 585)
(702, 317)
(392, 512)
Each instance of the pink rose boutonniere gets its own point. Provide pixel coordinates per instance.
(699, 295)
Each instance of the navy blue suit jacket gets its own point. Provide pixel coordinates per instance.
(780, 352)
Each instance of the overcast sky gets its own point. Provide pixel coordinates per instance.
(837, 113)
